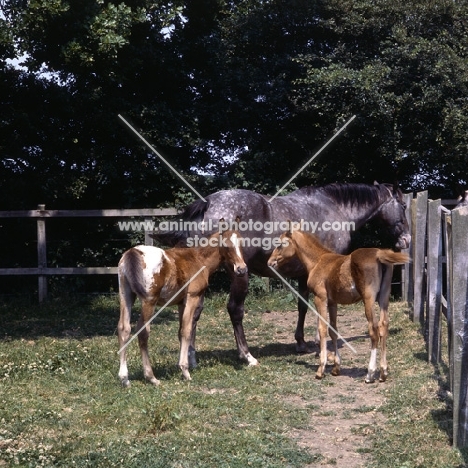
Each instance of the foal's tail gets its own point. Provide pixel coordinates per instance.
(389, 257)
(131, 272)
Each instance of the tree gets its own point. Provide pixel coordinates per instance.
(402, 68)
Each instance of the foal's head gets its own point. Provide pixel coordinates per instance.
(284, 252)
(230, 250)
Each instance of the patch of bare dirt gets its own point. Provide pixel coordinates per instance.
(349, 411)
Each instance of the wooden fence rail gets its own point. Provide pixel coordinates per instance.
(440, 276)
(42, 271)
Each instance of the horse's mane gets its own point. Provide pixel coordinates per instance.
(195, 211)
(348, 194)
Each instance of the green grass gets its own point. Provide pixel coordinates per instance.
(418, 407)
(61, 403)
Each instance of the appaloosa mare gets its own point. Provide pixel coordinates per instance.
(365, 274)
(157, 277)
(333, 211)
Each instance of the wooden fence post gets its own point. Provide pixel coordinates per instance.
(41, 255)
(448, 287)
(434, 280)
(406, 276)
(148, 238)
(419, 216)
(459, 293)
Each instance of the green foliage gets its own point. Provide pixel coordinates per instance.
(233, 94)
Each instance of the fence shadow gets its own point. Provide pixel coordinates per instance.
(75, 317)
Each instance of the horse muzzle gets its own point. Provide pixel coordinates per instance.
(273, 264)
(240, 270)
(404, 242)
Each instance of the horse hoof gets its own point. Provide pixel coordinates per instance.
(318, 376)
(335, 372)
(301, 348)
(154, 381)
(125, 383)
(369, 381)
(383, 375)
(251, 361)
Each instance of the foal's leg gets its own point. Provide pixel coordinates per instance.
(127, 298)
(192, 360)
(239, 288)
(322, 307)
(186, 314)
(369, 302)
(301, 346)
(384, 299)
(332, 311)
(147, 310)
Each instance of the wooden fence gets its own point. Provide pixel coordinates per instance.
(41, 215)
(438, 289)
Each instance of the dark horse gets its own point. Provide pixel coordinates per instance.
(332, 213)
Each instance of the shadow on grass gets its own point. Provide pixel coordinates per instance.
(77, 318)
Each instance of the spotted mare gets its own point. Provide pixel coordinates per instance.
(157, 277)
(349, 205)
(365, 274)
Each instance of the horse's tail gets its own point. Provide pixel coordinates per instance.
(389, 257)
(193, 212)
(131, 272)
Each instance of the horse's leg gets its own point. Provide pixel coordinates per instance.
(384, 299)
(192, 358)
(127, 298)
(147, 310)
(332, 311)
(322, 308)
(369, 301)
(186, 317)
(239, 288)
(301, 345)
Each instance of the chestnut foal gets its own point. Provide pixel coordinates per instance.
(334, 279)
(156, 276)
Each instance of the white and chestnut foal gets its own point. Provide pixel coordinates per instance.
(334, 279)
(155, 276)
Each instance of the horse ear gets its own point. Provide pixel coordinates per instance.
(289, 231)
(238, 218)
(376, 183)
(395, 187)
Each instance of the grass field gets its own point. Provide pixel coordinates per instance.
(61, 403)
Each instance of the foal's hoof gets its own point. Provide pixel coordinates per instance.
(369, 380)
(319, 376)
(335, 371)
(154, 381)
(383, 374)
(185, 373)
(125, 383)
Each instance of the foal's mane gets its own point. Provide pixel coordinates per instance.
(350, 194)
